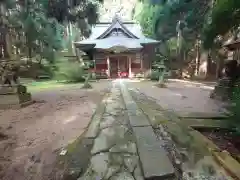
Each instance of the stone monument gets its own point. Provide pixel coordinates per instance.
(12, 93)
(223, 90)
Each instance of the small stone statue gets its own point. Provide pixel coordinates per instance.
(226, 84)
(9, 75)
(231, 68)
(12, 93)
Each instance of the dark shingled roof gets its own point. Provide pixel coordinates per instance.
(133, 37)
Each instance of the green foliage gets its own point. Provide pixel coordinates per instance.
(87, 84)
(40, 24)
(163, 18)
(234, 119)
(154, 75)
(46, 70)
(36, 30)
(167, 51)
(225, 16)
(83, 13)
(166, 20)
(70, 72)
(93, 76)
(145, 14)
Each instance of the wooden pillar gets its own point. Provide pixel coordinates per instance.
(108, 66)
(129, 67)
(95, 65)
(118, 68)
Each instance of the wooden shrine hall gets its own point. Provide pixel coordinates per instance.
(119, 49)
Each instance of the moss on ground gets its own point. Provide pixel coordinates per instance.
(46, 85)
(75, 162)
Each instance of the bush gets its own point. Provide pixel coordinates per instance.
(154, 75)
(70, 72)
(93, 76)
(46, 71)
(86, 84)
(234, 119)
(139, 75)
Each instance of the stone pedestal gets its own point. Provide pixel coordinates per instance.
(14, 97)
(222, 90)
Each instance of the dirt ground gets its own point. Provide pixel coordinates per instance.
(35, 134)
(185, 99)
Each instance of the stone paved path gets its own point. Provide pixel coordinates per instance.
(114, 153)
(125, 146)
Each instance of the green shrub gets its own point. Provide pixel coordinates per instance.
(93, 76)
(139, 75)
(45, 70)
(70, 72)
(234, 119)
(86, 84)
(154, 75)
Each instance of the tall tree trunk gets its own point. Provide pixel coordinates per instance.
(29, 48)
(28, 41)
(180, 51)
(197, 58)
(209, 64)
(4, 31)
(5, 43)
(219, 69)
(181, 63)
(8, 45)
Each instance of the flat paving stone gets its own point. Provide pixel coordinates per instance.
(138, 121)
(123, 176)
(202, 115)
(108, 138)
(125, 141)
(93, 128)
(154, 159)
(77, 165)
(138, 173)
(129, 147)
(113, 169)
(136, 116)
(109, 120)
(98, 167)
(131, 162)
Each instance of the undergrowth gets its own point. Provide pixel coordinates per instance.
(234, 117)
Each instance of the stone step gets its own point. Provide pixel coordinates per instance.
(155, 162)
(136, 116)
(153, 157)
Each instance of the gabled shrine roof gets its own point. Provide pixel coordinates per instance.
(117, 24)
(131, 36)
(100, 28)
(232, 44)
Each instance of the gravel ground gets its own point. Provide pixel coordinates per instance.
(34, 134)
(182, 98)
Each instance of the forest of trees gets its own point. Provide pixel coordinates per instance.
(39, 28)
(186, 28)
(189, 28)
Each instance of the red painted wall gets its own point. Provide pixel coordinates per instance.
(136, 65)
(101, 66)
(146, 55)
